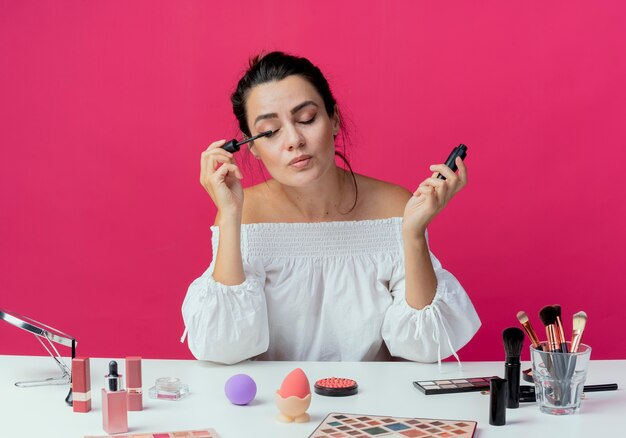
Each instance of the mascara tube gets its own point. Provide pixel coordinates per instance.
(459, 151)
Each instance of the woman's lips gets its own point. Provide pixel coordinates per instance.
(300, 162)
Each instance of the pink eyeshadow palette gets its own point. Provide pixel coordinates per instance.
(340, 425)
(204, 433)
(449, 386)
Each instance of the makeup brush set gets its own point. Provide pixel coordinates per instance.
(562, 366)
(559, 366)
(551, 318)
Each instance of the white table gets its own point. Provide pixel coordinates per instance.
(385, 388)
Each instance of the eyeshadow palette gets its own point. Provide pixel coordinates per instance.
(339, 425)
(449, 386)
(204, 433)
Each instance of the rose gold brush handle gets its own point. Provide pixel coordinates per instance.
(576, 337)
(561, 335)
(532, 335)
(553, 345)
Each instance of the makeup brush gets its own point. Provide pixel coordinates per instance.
(527, 393)
(580, 321)
(559, 329)
(513, 340)
(233, 145)
(548, 317)
(528, 328)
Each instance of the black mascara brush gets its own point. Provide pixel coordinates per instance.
(513, 340)
(233, 145)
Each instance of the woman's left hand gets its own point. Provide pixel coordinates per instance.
(431, 197)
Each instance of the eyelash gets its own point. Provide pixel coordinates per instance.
(304, 122)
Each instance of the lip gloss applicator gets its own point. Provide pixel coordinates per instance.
(234, 145)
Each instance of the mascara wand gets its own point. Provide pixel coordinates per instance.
(234, 145)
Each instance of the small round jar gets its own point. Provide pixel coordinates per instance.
(168, 388)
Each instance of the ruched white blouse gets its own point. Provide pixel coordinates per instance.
(326, 291)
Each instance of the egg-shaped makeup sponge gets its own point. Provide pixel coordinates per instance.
(295, 384)
(240, 389)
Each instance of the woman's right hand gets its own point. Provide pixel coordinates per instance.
(220, 177)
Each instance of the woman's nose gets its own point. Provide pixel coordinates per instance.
(294, 139)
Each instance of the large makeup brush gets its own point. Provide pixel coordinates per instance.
(528, 328)
(548, 317)
(513, 340)
(580, 321)
(560, 334)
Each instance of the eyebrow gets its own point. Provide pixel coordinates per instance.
(294, 110)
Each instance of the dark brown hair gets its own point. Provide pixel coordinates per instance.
(275, 66)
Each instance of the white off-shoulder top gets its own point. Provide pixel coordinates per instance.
(327, 291)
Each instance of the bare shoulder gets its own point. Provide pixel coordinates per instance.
(256, 200)
(381, 199)
(377, 199)
(253, 200)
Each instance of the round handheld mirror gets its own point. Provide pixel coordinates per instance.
(50, 335)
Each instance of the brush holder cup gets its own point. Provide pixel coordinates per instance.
(559, 379)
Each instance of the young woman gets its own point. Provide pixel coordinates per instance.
(318, 263)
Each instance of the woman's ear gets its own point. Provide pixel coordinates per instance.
(336, 121)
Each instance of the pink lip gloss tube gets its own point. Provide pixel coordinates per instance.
(133, 383)
(114, 403)
(81, 385)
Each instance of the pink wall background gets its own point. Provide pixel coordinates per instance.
(105, 108)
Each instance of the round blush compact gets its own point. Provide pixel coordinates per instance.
(527, 375)
(336, 387)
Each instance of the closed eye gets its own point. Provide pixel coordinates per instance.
(274, 131)
(302, 122)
